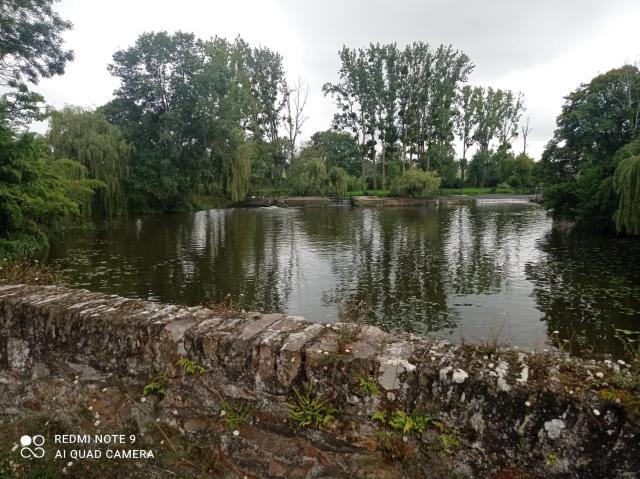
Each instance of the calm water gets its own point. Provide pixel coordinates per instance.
(462, 272)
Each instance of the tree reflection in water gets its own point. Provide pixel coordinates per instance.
(455, 271)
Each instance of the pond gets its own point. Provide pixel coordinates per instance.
(469, 273)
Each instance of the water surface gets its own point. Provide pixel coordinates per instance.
(465, 272)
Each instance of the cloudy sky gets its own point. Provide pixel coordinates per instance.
(543, 48)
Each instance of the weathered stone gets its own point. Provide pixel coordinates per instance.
(290, 359)
(85, 358)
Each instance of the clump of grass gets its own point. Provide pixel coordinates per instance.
(156, 387)
(227, 308)
(27, 271)
(235, 415)
(309, 411)
(493, 344)
(190, 367)
(368, 386)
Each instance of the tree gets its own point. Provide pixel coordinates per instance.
(466, 120)
(294, 119)
(308, 176)
(156, 105)
(335, 148)
(351, 95)
(31, 47)
(595, 131)
(525, 129)
(385, 96)
(36, 193)
(338, 181)
(416, 183)
(88, 138)
(517, 171)
(626, 182)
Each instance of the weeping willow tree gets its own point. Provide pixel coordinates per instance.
(626, 182)
(88, 138)
(237, 167)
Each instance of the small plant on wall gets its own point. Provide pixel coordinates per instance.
(309, 411)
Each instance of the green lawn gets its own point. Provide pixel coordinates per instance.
(368, 193)
(478, 191)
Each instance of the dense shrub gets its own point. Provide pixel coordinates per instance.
(416, 183)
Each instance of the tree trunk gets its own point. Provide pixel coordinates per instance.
(384, 173)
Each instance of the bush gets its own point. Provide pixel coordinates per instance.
(308, 177)
(416, 183)
(338, 181)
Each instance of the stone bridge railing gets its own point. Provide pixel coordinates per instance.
(404, 406)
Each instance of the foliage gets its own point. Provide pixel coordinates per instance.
(88, 138)
(308, 177)
(37, 194)
(409, 423)
(416, 183)
(203, 116)
(595, 133)
(190, 367)
(448, 442)
(385, 96)
(379, 416)
(368, 386)
(157, 387)
(235, 415)
(30, 49)
(336, 149)
(309, 411)
(338, 182)
(626, 182)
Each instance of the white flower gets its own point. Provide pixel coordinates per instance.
(527, 403)
(236, 433)
(556, 332)
(600, 374)
(143, 399)
(97, 423)
(621, 362)
(223, 412)
(70, 463)
(596, 412)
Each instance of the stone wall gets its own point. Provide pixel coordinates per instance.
(404, 406)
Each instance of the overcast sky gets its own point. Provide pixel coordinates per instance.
(543, 48)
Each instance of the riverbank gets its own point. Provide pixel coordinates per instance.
(270, 396)
(380, 201)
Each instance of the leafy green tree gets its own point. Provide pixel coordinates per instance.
(308, 176)
(155, 106)
(31, 47)
(416, 183)
(338, 180)
(88, 138)
(466, 121)
(336, 149)
(598, 123)
(517, 171)
(37, 194)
